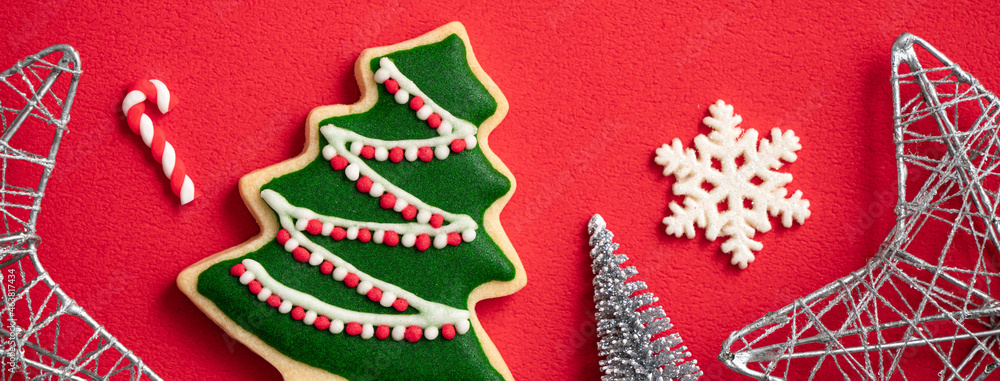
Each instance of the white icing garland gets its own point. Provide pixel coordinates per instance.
(457, 224)
(389, 70)
(431, 314)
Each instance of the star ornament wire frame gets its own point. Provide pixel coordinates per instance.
(44, 334)
(925, 304)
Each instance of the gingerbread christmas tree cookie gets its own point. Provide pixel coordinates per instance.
(378, 240)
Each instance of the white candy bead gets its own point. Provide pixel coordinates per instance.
(387, 299)
(424, 112)
(398, 333)
(336, 326)
(470, 142)
(291, 244)
(431, 332)
(409, 239)
(329, 152)
(310, 318)
(356, 148)
(315, 259)
(462, 327)
(411, 153)
(339, 273)
(378, 236)
(247, 277)
(402, 96)
(377, 190)
(381, 154)
(442, 152)
(469, 235)
(367, 331)
(264, 294)
(444, 128)
(441, 241)
(352, 233)
(423, 216)
(353, 172)
(285, 307)
(327, 228)
(381, 75)
(301, 224)
(400, 205)
(364, 287)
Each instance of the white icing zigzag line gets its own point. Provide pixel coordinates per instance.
(431, 314)
(286, 210)
(461, 129)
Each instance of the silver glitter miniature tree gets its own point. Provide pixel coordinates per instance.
(627, 322)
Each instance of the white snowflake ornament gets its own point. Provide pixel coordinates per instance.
(731, 198)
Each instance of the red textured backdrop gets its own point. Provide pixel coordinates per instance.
(593, 88)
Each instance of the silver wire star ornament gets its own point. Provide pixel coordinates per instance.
(44, 334)
(926, 302)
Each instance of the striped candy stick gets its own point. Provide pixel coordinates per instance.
(155, 138)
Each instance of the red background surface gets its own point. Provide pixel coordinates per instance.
(593, 88)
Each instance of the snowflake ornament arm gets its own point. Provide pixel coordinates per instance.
(782, 147)
(685, 166)
(722, 208)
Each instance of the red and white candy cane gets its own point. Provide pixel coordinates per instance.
(134, 107)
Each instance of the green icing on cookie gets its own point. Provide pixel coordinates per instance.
(465, 183)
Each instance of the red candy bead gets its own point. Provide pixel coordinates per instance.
(391, 86)
(448, 331)
(400, 304)
(416, 103)
(352, 280)
(364, 235)
(390, 238)
(458, 145)
(238, 270)
(413, 333)
(437, 220)
(353, 328)
(364, 184)
(382, 332)
(396, 154)
(321, 323)
(273, 301)
(338, 233)
(454, 239)
(283, 236)
(298, 313)
(375, 294)
(425, 154)
(434, 120)
(338, 163)
(255, 287)
(300, 254)
(423, 242)
(409, 212)
(367, 152)
(314, 227)
(326, 267)
(387, 201)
